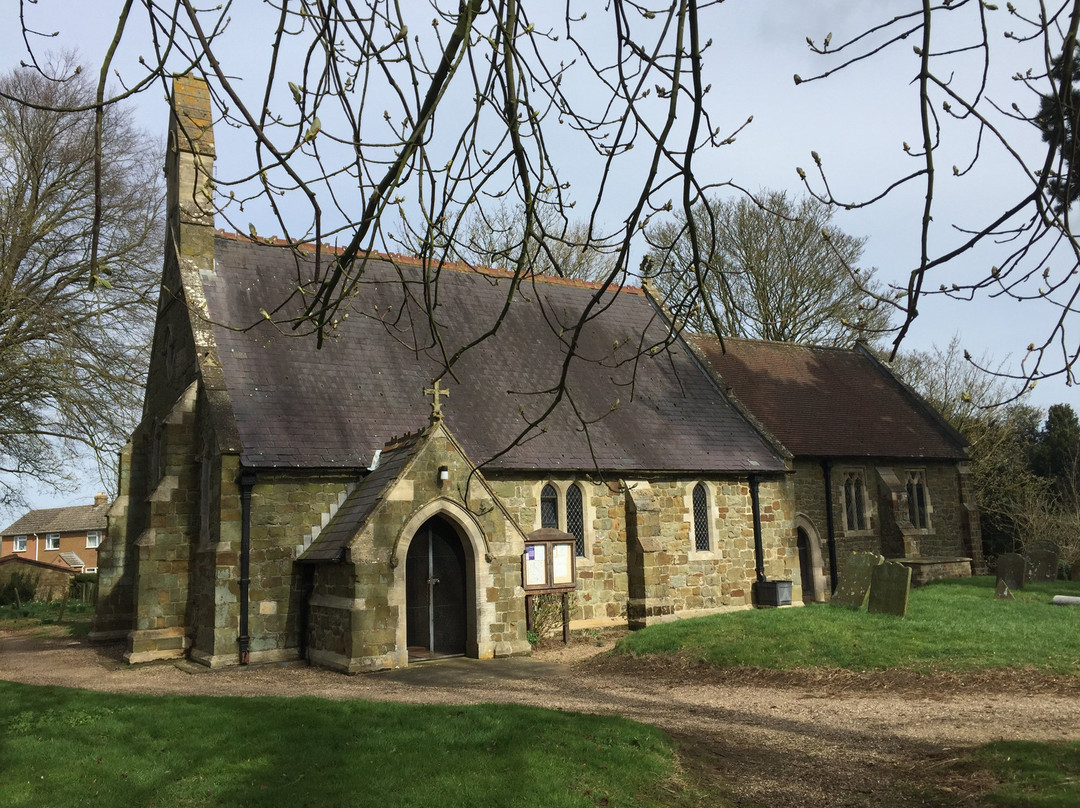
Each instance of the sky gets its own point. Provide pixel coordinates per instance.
(857, 121)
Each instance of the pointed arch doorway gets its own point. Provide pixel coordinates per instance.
(811, 566)
(436, 616)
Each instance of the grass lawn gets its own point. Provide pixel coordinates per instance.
(1034, 775)
(46, 616)
(951, 626)
(61, 747)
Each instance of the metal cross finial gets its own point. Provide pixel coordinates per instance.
(436, 404)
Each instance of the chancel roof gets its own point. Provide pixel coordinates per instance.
(631, 401)
(830, 402)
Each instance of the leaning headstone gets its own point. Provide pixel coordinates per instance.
(1012, 569)
(889, 588)
(854, 583)
(1042, 565)
(1002, 592)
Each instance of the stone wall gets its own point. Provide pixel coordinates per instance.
(286, 508)
(52, 582)
(374, 609)
(114, 608)
(162, 547)
(952, 524)
(659, 510)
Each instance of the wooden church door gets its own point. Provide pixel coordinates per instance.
(435, 592)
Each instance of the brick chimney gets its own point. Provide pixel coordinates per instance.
(101, 498)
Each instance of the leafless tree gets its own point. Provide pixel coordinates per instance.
(957, 386)
(774, 268)
(1020, 505)
(495, 237)
(365, 114)
(987, 77)
(73, 333)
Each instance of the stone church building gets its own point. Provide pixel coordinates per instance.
(876, 468)
(360, 506)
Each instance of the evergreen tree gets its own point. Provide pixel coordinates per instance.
(1057, 120)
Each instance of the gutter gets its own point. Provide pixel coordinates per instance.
(830, 523)
(246, 481)
(755, 507)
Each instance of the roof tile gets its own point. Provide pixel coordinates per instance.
(625, 405)
(831, 402)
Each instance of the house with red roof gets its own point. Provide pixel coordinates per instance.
(463, 440)
(64, 537)
(877, 468)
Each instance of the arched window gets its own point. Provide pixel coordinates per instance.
(549, 507)
(854, 501)
(702, 539)
(575, 518)
(565, 512)
(918, 500)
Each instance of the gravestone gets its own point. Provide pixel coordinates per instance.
(1002, 592)
(1012, 569)
(1042, 565)
(889, 588)
(855, 580)
(1065, 600)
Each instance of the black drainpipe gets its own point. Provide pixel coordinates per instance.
(826, 466)
(246, 480)
(759, 549)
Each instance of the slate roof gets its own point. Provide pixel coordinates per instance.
(297, 406)
(360, 504)
(831, 402)
(77, 518)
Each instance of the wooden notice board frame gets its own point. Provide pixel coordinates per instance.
(549, 562)
(549, 565)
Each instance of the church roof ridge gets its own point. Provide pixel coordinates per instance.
(415, 261)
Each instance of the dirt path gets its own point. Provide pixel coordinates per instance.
(781, 738)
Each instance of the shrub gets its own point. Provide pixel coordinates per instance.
(20, 588)
(84, 586)
(547, 614)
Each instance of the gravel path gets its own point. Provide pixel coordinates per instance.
(794, 738)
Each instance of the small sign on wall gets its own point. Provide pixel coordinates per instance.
(548, 563)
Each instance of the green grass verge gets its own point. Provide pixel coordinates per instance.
(1035, 775)
(1026, 773)
(61, 747)
(76, 622)
(951, 626)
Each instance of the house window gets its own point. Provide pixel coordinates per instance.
(93, 539)
(20, 544)
(565, 513)
(52, 541)
(854, 501)
(918, 500)
(702, 539)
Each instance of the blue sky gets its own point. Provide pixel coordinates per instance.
(857, 121)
